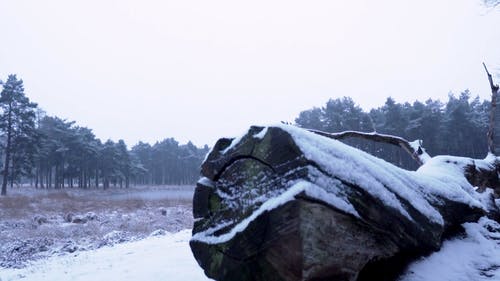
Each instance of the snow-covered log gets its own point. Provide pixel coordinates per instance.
(281, 203)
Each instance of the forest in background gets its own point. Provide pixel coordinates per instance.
(50, 152)
(456, 127)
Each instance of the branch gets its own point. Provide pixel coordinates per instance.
(491, 129)
(494, 88)
(491, 3)
(414, 149)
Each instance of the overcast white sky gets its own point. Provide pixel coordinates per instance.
(200, 70)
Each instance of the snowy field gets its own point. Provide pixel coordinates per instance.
(474, 257)
(143, 234)
(165, 257)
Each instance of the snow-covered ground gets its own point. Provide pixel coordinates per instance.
(474, 257)
(166, 257)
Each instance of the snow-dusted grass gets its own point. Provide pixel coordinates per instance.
(36, 223)
(155, 258)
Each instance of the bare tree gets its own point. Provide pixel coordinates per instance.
(493, 111)
(491, 3)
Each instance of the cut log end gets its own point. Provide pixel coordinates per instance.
(284, 204)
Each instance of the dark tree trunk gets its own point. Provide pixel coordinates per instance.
(42, 185)
(11, 178)
(493, 138)
(56, 177)
(85, 178)
(96, 178)
(8, 146)
(36, 178)
(49, 177)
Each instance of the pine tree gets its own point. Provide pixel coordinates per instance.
(17, 122)
(310, 119)
(123, 163)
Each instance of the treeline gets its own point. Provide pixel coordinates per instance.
(70, 155)
(50, 152)
(457, 127)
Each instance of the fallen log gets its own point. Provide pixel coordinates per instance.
(281, 203)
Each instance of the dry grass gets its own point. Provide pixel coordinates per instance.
(29, 201)
(33, 215)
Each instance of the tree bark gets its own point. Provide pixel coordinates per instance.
(493, 112)
(96, 178)
(8, 149)
(36, 178)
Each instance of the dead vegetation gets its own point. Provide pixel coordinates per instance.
(37, 223)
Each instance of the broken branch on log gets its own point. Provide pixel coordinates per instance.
(416, 151)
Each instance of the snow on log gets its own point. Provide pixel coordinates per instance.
(281, 203)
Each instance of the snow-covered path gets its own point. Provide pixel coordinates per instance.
(155, 258)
